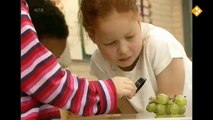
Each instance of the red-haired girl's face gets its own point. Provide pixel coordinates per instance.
(118, 36)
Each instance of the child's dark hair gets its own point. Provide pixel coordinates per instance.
(47, 19)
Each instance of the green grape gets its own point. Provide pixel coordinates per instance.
(182, 110)
(180, 100)
(170, 102)
(163, 105)
(174, 109)
(168, 109)
(160, 109)
(162, 98)
(151, 107)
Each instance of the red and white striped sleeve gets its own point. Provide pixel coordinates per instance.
(44, 80)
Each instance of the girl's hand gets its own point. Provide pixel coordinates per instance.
(124, 87)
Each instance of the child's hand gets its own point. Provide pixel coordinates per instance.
(124, 87)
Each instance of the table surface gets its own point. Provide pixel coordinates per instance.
(130, 116)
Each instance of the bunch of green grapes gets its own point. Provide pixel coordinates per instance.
(162, 105)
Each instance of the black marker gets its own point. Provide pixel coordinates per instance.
(139, 83)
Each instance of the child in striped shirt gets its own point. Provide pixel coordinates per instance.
(46, 87)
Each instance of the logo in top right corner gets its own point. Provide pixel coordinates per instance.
(196, 11)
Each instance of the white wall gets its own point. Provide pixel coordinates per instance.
(74, 41)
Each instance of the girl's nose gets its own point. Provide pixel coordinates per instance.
(123, 48)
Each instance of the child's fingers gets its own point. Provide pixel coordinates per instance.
(130, 85)
(128, 93)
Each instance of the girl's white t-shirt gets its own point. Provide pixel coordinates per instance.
(159, 48)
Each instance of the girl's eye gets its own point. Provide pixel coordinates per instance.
(110, 43)
(129, 37)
